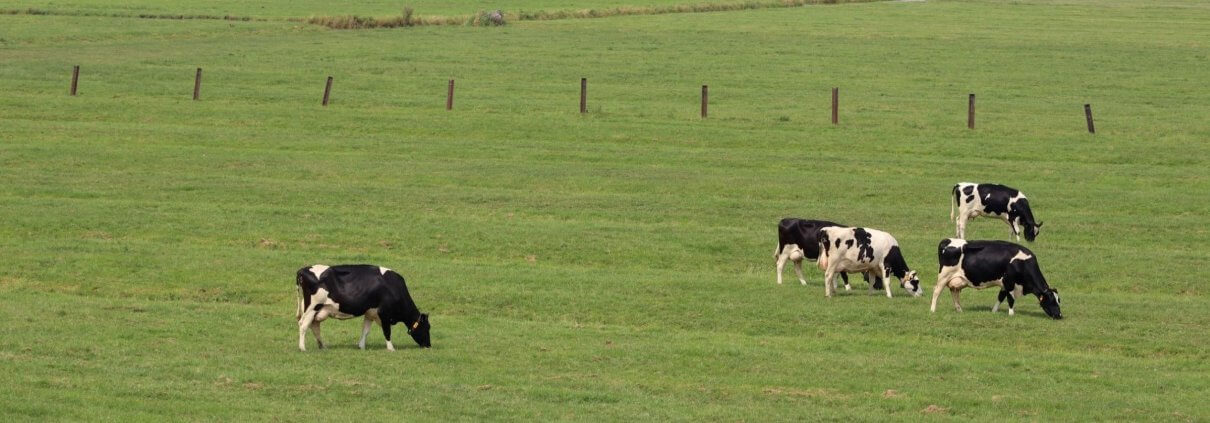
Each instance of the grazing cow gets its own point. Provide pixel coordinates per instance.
(993, 263)
(798, 239)
(997, 201)
(348, 291)
(864, 250)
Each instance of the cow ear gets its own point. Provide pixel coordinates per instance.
(424, 317)
(1040, 223)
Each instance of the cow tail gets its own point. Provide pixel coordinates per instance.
(299, 310)
(954, 203)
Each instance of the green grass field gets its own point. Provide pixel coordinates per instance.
(613, 266)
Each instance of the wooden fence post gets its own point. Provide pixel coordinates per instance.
(75, 77)
(970, 113)
(835, 106)
(449, 98)
(583, 95)
(327, 90)
(197, 84)
(705, 97)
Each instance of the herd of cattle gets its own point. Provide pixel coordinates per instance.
(380, 295)
(839, 249)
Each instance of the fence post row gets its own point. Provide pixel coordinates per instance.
(970, 113)
(449, 100)
(197, 84)
(583, 95)
(327, 90)
(75, 77)
(835, 104)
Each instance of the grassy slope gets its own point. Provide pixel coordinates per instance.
(151, 239)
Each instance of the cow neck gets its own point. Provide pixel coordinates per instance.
(408, 313)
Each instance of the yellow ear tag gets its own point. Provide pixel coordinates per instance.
(415, 325)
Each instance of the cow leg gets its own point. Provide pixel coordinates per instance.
(315, 330)
(1015, 228)
(844, 277)
(1000, 300)
(798, 271)
(886, 279)
(386, 332)
(365, 331)
(954, 292)
(781, 265)
(936, 292)
(962, 216)
(1011, 302)
(303, 324)
(829, 283)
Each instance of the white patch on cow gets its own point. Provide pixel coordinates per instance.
(383, 270)
(318, 270)
(1021, 256)
(390, 346)
(330, 308)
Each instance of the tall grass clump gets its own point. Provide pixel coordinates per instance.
(405, 19)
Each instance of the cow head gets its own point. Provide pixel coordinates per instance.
(1032, 231)
(1049, 300)
(911, 283)
(420, 331)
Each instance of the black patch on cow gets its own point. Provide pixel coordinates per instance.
(968, 189)
(947, 255)
(865, 251)
(970, 199)
(848, 243)
(804, 233)
(895, 264)
(995, 197)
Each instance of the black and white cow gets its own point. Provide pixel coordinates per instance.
(993, 263)
(997, 201)
(348, 291)
(798, 239)
(864, 250)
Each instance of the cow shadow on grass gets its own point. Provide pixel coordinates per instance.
(1003, 310)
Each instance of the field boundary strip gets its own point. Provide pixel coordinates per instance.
(408, 18)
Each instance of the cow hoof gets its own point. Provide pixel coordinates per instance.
(1010, 312)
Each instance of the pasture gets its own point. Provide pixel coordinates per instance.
(611, 266)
